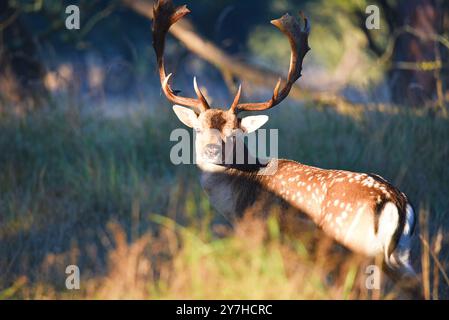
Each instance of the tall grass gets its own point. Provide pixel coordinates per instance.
(99, 192)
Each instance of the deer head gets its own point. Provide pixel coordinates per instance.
(218, 130)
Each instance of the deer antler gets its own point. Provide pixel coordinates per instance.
(165, 15)
(298, 38)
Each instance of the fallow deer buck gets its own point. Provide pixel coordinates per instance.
(362, 211)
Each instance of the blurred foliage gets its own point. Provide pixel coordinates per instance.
(340, 45)
(228, 22)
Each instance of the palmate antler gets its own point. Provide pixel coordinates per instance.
(298, 38)
(166, 14)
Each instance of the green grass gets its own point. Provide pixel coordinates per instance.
(100, 192)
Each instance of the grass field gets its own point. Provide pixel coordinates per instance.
(83, 188)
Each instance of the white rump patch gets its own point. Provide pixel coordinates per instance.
(409, 220)
(400, 257)
(388, 223)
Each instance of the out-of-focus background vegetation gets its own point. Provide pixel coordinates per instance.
(85, 174)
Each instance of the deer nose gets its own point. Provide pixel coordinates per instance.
(213, 150)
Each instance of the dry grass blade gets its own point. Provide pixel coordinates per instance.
(435, 259)
(436, 250)
(425, 256)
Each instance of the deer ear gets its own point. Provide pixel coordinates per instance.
(186, 116)
(252, 123)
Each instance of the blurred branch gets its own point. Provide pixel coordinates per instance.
(57, 24)
(97, 18)
(8, 21)
(386, 56)
(185, 33)
(429, 36)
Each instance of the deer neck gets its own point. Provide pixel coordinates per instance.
(236, 187)
(228, 185)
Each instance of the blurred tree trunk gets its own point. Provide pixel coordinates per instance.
(409, 79)
(419, 57)
(21, 73)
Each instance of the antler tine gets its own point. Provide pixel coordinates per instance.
(236, 99)
(165, 15)
(200, 95)
(298, 38)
